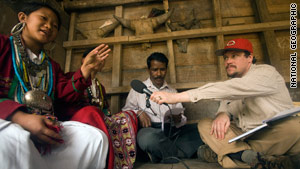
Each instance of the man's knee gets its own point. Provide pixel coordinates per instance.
(148, 138)
(204, 125)
(294, 126)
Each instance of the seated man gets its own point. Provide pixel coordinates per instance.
(254, 93)
(162, 146)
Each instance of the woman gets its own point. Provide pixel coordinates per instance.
(29, 82)
(93, 109)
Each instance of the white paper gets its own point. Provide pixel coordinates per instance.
(283, 114)
(264, 124)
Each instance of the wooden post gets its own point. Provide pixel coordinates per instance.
(171, 65)
(70, 38)
(116, 68)
(219, 39)
(269, 37)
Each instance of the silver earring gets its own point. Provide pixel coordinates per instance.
(17, 29)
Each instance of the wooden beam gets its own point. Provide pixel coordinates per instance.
(117, 90)
(206, 32)
(92, 42)
(269, 36)
(271, 45)
(117, 66)
(117, 52)
(221, 65)
(217, 13)
(219, 39)
(263, 12)
(70, 38)
(171, 66)
(194, 33)
(77, 5)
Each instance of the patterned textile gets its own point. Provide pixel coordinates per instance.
(122, 128)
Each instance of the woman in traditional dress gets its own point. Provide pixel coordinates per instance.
(94, 110)
(29, 82)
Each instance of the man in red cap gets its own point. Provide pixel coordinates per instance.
(252, 94)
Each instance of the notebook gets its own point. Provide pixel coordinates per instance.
(266, 122)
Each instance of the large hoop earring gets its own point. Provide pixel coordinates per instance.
(17, 29)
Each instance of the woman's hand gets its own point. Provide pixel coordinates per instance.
(37, 126)
(95, 60)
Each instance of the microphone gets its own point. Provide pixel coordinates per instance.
(140, 87)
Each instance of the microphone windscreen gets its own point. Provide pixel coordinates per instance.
(138, 86)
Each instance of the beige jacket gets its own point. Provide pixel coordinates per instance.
(258, 95)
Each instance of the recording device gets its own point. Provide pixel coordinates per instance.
(140, 87)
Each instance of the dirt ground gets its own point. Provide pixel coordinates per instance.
(191, 163)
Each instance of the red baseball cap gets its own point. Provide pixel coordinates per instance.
(236, 45)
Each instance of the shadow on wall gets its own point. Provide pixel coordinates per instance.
(8, 18)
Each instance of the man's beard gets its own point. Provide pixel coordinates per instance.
(232, 75)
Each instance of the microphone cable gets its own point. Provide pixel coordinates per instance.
(169, 136)
(171, 121)
(148, 105)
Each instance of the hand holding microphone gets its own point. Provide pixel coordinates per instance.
(170, 98)
(158, 97)
(161, 97)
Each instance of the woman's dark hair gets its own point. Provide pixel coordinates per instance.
(87, 51)
(159, 57)
(28, 8)
(247, 53)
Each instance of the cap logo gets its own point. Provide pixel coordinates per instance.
(231, 43)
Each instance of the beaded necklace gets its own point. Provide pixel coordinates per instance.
(45, 81)
(96, 94)
(24, 67)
